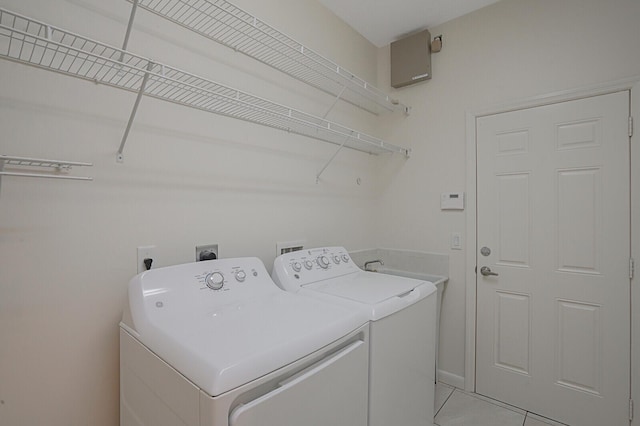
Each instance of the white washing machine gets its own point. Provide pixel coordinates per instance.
(402, 314)
(217, 343)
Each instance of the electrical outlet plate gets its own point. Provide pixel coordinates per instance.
(289, 246)
(145, 252)
(452, 201)
(206, 247)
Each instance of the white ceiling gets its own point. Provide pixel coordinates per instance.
(384, 21)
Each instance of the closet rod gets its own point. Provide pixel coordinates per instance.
(46, 176)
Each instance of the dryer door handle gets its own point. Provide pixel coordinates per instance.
(291, 382)
(314, 368)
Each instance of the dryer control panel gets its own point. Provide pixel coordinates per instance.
(198, 288)
(223, 279)
(299, 268)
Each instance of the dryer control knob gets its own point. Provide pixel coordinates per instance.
(323, 262)
(336, 259)
(215, 281)
(308, 264)
(296, 266)
(345, 258)
(241, 276)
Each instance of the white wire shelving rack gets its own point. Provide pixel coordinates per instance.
(35, 43)
(56, 169)
(231, 26)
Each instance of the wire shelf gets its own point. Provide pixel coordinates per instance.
(38, 44)
(59, 166)
(37, 162)
(231, 26)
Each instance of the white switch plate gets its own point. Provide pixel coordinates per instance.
(456, 241)
(145, 252)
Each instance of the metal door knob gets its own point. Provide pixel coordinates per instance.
(486, 271)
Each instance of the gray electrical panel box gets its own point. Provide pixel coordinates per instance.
(411, 59)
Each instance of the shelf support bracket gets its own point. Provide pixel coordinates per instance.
(335, 154)
(134, 7)
(334, 102)
(119, 156)
(1, 171)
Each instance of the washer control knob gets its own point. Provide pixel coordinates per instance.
(308, 264)
(345, 258)
(241, 276)
(296, 266)
(323, 262)
(215, 281)
(336, 259)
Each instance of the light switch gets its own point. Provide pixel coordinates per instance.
(456, 241)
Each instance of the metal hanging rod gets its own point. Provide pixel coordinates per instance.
(35, 43)
(58, 165)
(45, 176)
(231, 26)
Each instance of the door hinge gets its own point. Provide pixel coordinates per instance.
(630, 126)
(631, 410)
(632, 267)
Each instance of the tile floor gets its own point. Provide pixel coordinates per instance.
(455, 407)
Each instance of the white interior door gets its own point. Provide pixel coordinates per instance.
(553, 327)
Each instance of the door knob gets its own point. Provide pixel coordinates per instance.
(486, 271)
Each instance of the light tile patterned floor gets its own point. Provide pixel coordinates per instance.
(455, 407)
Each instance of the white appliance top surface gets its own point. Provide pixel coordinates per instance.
(329, 273)
(365, 287)
(222, 339)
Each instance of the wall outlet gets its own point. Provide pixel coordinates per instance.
(289, 246)
(452, 201)
(146, 252)
(207, 252)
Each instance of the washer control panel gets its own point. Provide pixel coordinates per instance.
(307, 266)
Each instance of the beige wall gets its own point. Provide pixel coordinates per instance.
(68, 249)
(507, 52)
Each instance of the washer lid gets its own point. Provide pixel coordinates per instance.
(223, 339)
(378, 294)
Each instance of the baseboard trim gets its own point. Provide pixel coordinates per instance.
(451, 379)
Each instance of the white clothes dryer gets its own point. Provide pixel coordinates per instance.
(217, 343)
(402, 314)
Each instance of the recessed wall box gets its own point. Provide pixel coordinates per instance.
(206, 252)
(289, 246)
(411, 59)
(452, 201)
